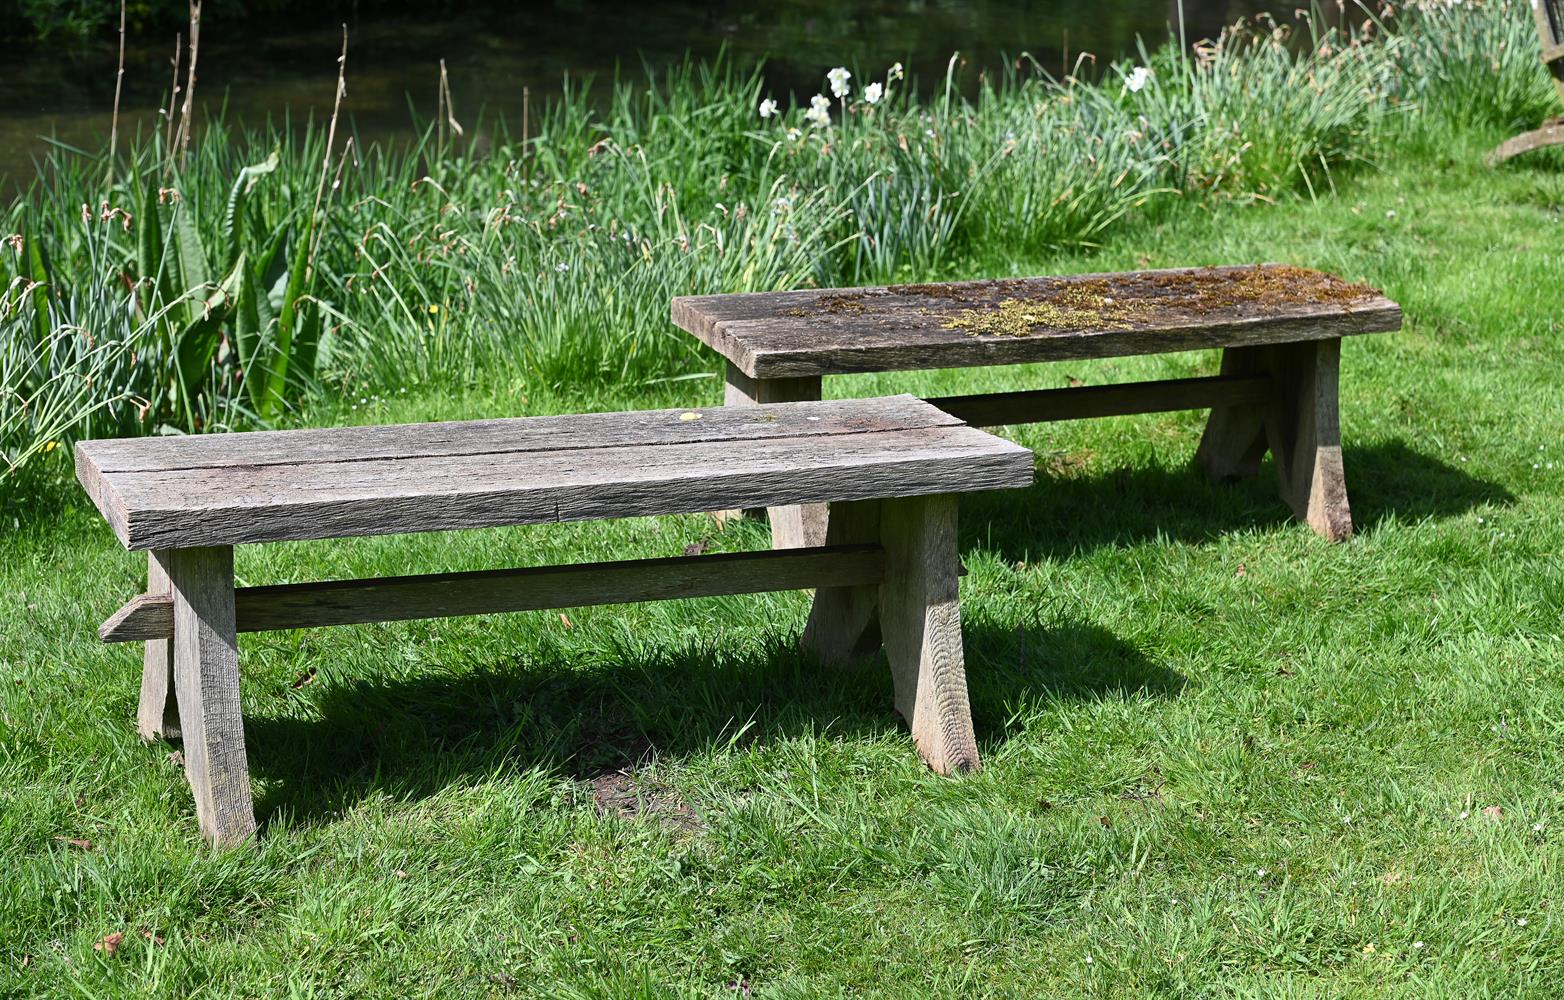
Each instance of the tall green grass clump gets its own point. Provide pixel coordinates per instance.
(226, 284)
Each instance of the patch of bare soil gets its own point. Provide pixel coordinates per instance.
(629, 796)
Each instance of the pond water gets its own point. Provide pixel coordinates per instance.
(265, 70)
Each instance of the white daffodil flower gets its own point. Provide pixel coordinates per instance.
(1137, 79)
(819, 114)
(873, 93)
(894, 73)
(768, 107)
(839, 78)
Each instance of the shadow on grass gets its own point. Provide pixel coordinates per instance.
(411, 738)
(1059, 516)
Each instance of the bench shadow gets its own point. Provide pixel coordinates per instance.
(1059, 516)
(408, 739)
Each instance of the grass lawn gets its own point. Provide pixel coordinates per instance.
(1223, 757)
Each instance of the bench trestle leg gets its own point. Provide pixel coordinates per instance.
(920, 616)
(1300, 428)
(791, 527)
(206, 683)
(844, 622)
(158, 714)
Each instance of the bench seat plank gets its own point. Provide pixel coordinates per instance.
(903, 327)
(535, 470)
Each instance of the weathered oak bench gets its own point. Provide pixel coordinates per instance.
(890, 467)
(1279, 328)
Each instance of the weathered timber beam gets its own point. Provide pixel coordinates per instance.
(1539, 138)
(1040, 405)
(444, 595)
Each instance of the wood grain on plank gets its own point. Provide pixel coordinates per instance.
(328, 499)
(206, 682)
(444, 595)
(901, 327)
(844, 620)
(513, 435)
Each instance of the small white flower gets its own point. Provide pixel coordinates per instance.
(1261, 873)
(1536, 828)
(894, 73)
(1346, 820)
(873, 93)
(768, 107)
(1088, 960)
(793, 134)
(839, 77)
(561, 267)
(1137, 79)
(1419, 945)
(1520, 921)
(1464, 814)
(819, 114)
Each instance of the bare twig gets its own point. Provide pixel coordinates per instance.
(331, 142)
(119, 78)
(446, 111)
(173, 96)
(186, 110)
(526, 113)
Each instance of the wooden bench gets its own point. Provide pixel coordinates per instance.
(891, 467)
(1279, 328)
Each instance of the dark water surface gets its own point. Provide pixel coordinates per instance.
(263, 70)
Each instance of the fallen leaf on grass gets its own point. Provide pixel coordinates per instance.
(176, 758)
(154, 938)
(308, 677)
(1493, 812)
(697, 548)
(564, 620)
(1242, 572)
(84, 844)
(110, 943)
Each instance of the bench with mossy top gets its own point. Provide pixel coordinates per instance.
(1279, 328)
(889, 468)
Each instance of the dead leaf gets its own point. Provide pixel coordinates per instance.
(399, 873)
(1243, 571)
(1493, 812)
(1105, 821)
(308, 677)
(83, 843)
(110, 943)
(176, 758)
(564, 620)
(689, 415)
(154, 938)
(1073, 382)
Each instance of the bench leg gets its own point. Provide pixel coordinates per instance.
(844, 622)
(1302, 430)
(791, 527)
(158, 714)
(920, 616)
(206, 683)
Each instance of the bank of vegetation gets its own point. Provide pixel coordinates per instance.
(217, 280)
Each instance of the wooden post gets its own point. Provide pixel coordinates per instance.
(1301, 429)
(844, 622)
(206, 683)
(791, 527)
(158, 714)
(920, 616)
